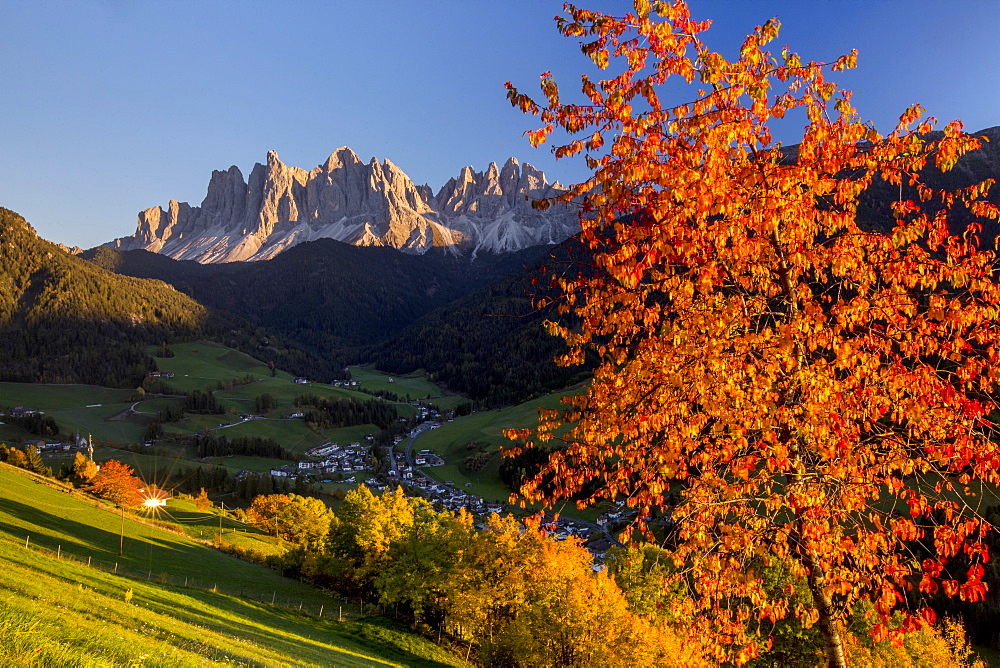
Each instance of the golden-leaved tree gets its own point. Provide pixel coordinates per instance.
(300, 519)
(116, 483)
(782, 383)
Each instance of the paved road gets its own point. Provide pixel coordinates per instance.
(420, 429)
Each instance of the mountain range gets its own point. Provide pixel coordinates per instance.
(320, 305)
(363, 204)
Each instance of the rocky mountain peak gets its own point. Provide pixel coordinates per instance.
(341, 158)
(373, 203)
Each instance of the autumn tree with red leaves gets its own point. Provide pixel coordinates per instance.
(116, 483)
(785, 384)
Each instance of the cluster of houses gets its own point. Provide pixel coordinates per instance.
(564, 528)
(427, 458)
(406, 472)
(162, 374)
(329, 459)
(302, 380)
(620, 514)
(57, 448)
(444, 495)
(50, 446)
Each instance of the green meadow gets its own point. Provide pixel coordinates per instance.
(111, 415)
(56, 609)
(203, 364)
(83, 407)
(416, 385)
(47, 397)
(284, 390)
(452, 440)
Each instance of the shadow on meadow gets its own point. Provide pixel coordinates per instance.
(144, 550)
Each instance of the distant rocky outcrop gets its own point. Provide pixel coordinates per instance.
(365, 204)
(75, 250)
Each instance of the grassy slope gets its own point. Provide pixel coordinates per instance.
(285, 391)
(83, 407)
(62, 612)
(79, 407)
(486, 429)
(417, 386)
(198, 365)
(55, 519)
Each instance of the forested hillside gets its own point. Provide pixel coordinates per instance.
(470, 323)
(491, 345)
(65, 320)
(325, 295)
(874, 205)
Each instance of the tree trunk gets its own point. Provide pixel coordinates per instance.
(121, 535)
(831, 634)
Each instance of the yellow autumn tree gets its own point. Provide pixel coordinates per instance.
(781, 382)
(300, 519)
(201, 501)
(84, 468)
(520, 598)
(572, 616)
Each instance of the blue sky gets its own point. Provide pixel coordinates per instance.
(112, 106)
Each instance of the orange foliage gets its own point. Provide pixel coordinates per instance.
(807, 388)
(115, 482)
(265, 509)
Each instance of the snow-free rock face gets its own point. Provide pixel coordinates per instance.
(366, 204)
